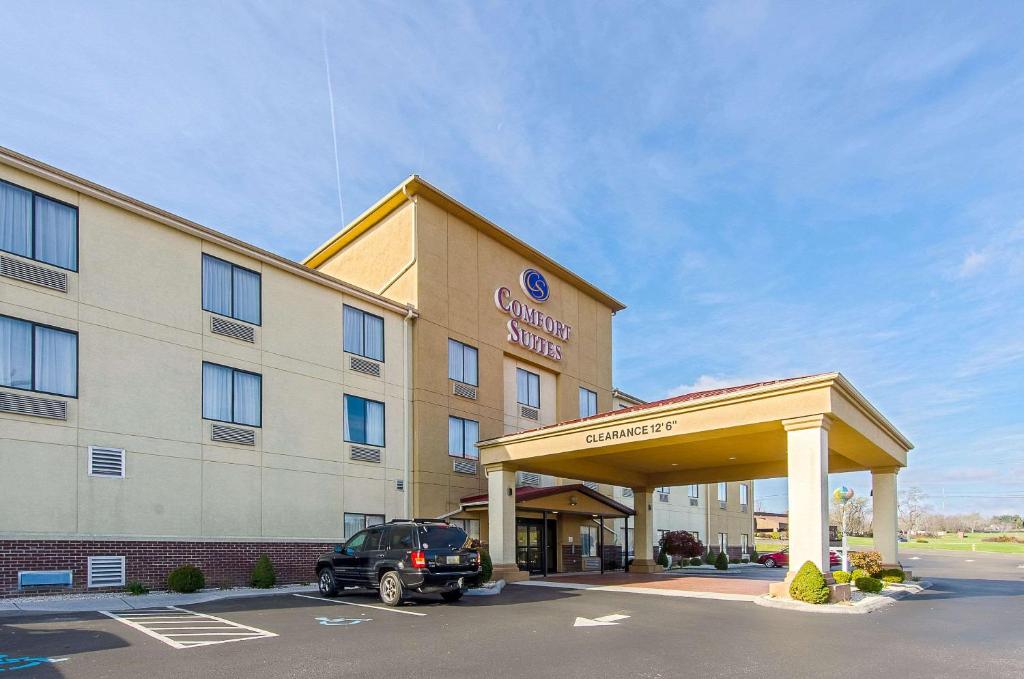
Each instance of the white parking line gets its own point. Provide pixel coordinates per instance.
(171, 623)
(352, 603)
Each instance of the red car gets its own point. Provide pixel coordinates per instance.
(781, 559)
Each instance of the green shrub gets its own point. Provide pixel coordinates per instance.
(722, 561)
(744, 560)
(873, 585)
(709, 558)
(842, 577)
(809, 585)
(869, 561)
(662, 559)
(185, 579)
(135, 588)
(263, 576)
(753, 556)
(486, 567)
(734, 561)
(696, 561)
(892, 575)
(920, 540)
(859, 573)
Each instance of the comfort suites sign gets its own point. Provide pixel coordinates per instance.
(528, 326)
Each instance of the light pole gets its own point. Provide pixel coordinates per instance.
(842, 494)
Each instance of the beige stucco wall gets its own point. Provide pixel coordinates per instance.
(732, 520)
(143, 337)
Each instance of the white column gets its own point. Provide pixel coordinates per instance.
(643, 532)
(501, 521)
(885, 514)
(807, 447)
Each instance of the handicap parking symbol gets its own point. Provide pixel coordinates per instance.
(9, 663)
(342, 621)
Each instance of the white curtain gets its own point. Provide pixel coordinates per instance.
(216, 286)
(522, 386)
(56, 234)
(15, 353)
(470, 438)
(56, 361)
(469, 365)
(455, 371)
(454, 436)
(216, 392)
(246, 296)
(15, 220)
(374, 337)
(352, 331)
(247, 398)
(374, 423)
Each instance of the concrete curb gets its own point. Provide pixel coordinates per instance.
(687, 594)
(494, 589)
(866, 605)
(121, 602)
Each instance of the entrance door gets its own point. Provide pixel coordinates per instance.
(529, 544)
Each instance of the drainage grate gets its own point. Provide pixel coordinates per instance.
(31, 273)
(222, 326)
(20, 404)
(236, 435)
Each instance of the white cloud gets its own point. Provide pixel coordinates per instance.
(710, 382)
(972, 264)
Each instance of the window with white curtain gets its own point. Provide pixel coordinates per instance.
(588, 402)
(694, 490)
(527, 388)
(38, 358)
(232, 395)
(723, 491)
(364, 421)
(462, 362)
(37, 227)
(354, 523)
(463, 436)
(743, 496)
(231, 290)
(363, 333)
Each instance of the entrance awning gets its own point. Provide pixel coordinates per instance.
(731, 434)
(570, 499)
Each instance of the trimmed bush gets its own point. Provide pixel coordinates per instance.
(263, 575)
(734, 561)
(869, 561)
(696, 561)
(842, 577)
(135, 588)
(744, 560)
(722, 561)
(186, 579)
(753, 556)
(859, 573)
(486, 567)
(662, 559)
(920, 540)
(872, 585)
(709, 558)
(892, 575)
(809, 585)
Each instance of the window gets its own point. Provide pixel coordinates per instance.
(723, 542)
(462, 363)
(743, 497)
(232, 395)
(38, 358)
(588, 402)
(364, 421)
(230, 290)
(436, 536)
(527, 388)
(696, 535)
(693, 491)
(37, 227)
(363, 333)
(470, 526)
(588, 540)
(401, 537)
(744, 543)
(723, 493)
(357, 522)
(462, 437)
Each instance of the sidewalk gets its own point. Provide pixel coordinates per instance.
(79, 603)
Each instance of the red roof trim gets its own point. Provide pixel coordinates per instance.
(524, 493)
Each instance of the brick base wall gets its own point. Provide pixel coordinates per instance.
(225, 564)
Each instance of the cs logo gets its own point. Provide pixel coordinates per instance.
(534, 284)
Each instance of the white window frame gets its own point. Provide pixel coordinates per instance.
(124, 462)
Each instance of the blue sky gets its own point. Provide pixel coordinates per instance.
(773, 189)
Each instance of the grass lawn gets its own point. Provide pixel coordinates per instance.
(970, 542)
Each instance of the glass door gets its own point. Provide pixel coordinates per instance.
(528, 545)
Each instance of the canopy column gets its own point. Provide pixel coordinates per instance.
(807, 453)
(501, 523)
(885, 514)
(643, 532)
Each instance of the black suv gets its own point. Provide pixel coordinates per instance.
(402, 556)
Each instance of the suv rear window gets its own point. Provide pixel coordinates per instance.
(437, 537)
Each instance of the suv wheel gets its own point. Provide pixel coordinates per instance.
(391, 589)
(452, 596)
(327, 584)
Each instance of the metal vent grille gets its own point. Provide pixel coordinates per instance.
(30, 273)
(399, 485)
(590, 484)
(662, 497)
(106, 571)
(693, 502)
(529, 413)
(627, 492)
(106, 461)
(464, 390)
(464, 466)
(20, 404)
(222, 326)
(528, 479)
(361, 365)
(236, 435)
(364, 454)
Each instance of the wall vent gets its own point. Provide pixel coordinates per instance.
(31, 273)
(106, 462)
(464, 390)
(722, 504)
(400, 485)
(693, 502)
(364, 454)
(464, 466)
(238, 331)
(663, 497)
(225, 434)
(627, 492)
(361, 365)
(591, 485)
(21, 404)
(28, 579)
(528, 479)
(106, 571)
(529, 413)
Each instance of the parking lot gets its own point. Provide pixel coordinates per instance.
(967, 625)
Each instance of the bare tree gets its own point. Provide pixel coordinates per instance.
(858, 518)
(912, 509)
